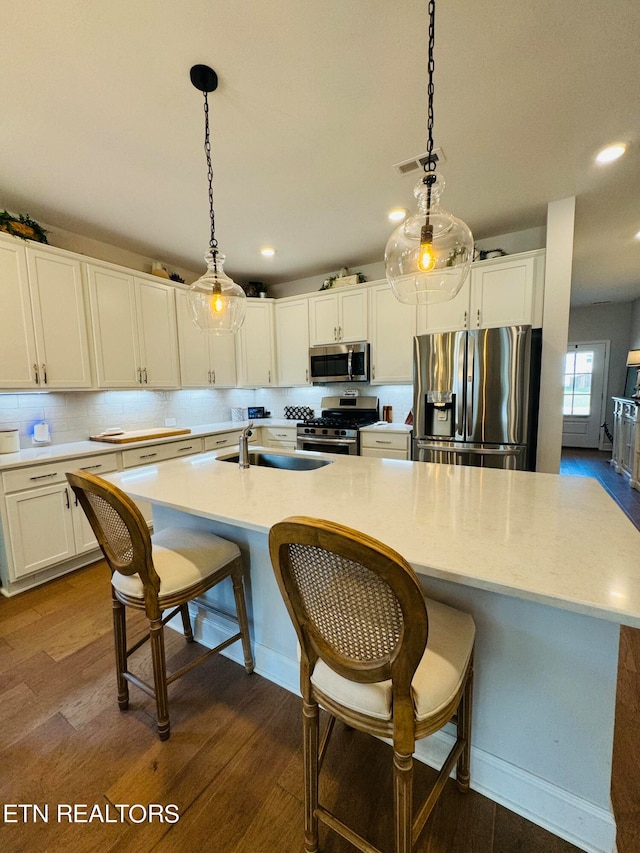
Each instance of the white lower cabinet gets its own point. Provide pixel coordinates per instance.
(45, 525)
(385, 443)
(230, 439)
(284, 437)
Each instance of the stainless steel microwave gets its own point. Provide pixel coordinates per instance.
(340, 362)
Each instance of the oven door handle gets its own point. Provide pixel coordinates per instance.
(325, 441)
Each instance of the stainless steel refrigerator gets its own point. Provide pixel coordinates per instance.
(475, 397)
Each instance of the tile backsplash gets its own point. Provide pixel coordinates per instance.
(74, 415)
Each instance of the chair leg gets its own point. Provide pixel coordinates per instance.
(120, 644)
(464, 731)
(156, 636)
(186, 623)
(403, 801)
(310, 734)
(243, 621)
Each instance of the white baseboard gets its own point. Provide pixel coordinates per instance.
(577, 821)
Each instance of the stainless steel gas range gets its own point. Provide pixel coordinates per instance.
(337, 430)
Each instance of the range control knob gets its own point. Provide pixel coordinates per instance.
(325, 431)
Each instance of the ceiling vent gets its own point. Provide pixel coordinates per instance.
(415, 163)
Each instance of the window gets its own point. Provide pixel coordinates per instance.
(578, 375)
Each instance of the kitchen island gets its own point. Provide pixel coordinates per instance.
(547, 565)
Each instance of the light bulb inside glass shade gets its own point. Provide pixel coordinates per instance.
(217, 303)
(428, 256)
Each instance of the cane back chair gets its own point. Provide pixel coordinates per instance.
(375, 654)
(156, 574)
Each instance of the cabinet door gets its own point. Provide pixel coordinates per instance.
(352, 316)
(17, 340)
(502, 294)
(449, 316)
(254, 345)
(323, 319)
(292, 342)
(393, 326)
(195, 370)
(115, 332)
(222, 358)
(40, 528)
(57, 296)
(83, 535)
(158, 334)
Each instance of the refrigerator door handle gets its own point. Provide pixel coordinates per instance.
(470, 366)
(480, 451)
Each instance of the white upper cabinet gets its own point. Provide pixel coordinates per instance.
(392, 327)
(134, 329)
(43, 326)
(17, 337)
(502, 292)
(254, 346)
(206, 360)
(337, 316)
(292, 341)
(158, 334)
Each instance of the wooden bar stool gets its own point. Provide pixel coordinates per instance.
(156, 574)
(377, 655)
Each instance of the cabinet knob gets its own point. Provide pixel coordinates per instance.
(37, 375)
(213, 377)
(44, 373)
(478, 318)
(465, 319)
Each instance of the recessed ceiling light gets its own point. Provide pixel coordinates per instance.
(611, 153)
(638, 236)
(268, 251)
(397, 214)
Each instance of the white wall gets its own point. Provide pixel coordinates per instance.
(106, 252)
(611, 322)
(75, 415)
(634, 334)
(555, 324)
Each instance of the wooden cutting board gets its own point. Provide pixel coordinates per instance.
(140, 435)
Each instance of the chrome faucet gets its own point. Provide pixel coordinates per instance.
(243, 449)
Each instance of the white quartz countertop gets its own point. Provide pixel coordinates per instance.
(561, 541)
(53, 452)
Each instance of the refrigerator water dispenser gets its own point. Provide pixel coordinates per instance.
(439, 415)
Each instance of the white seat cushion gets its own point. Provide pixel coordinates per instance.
(182, 557)
(435, 682)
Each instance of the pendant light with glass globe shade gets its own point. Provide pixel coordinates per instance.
(217, 304)
(428, 256)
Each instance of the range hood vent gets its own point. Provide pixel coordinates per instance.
(408, 166)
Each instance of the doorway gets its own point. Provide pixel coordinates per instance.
(585, 389)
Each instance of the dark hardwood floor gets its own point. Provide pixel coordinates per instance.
(233, 763)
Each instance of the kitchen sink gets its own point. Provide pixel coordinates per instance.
(264, 459)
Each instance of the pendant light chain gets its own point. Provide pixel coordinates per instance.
(213, 243)
(430, 164)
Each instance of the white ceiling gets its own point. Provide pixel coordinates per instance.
(102, 131)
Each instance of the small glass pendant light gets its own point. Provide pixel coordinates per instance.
(428, 256)
(217, 304)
